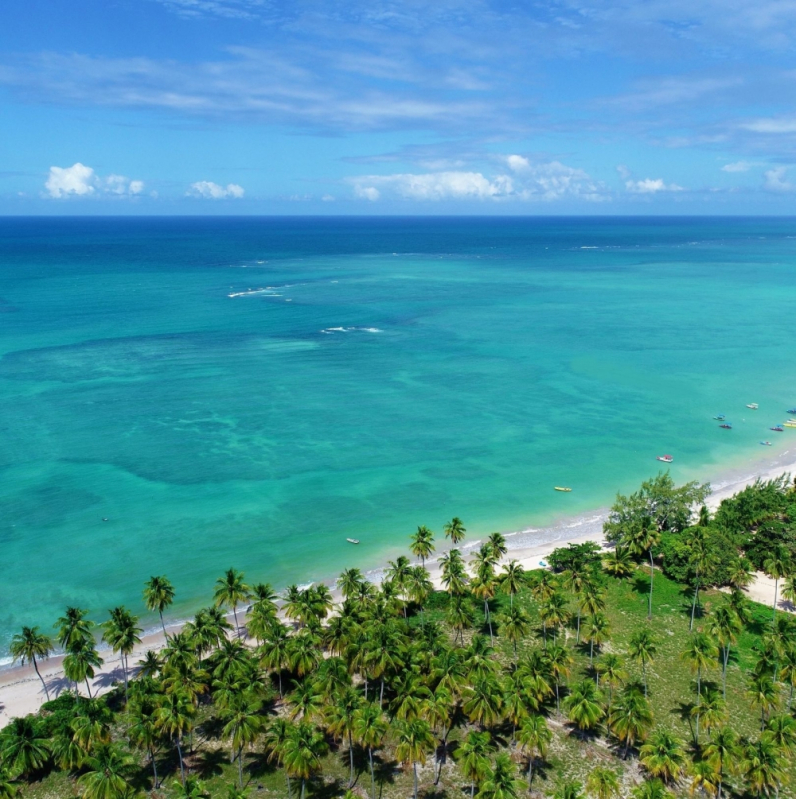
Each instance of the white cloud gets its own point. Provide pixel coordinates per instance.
(328, 198)
(771, 126)
(80, 180)
(207, 190)
(551, 181)
(737, 166)
(518, 163)
(650, 186)
(776, 180)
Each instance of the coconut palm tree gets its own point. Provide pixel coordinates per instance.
(611, 671)
(275, 651)
(398, 575)
(369, 729)
(553, 613)
(422, 544)
(92, 726)
(712, 709)
(545, 584)
(30, 644)
(763, 766)
(455, 530)
(641, 540)
(9, 788)
(500, 781)
(122, 632)
(414, 742)
(302, 752)
(107, 774)
(724, 627)
(782, 728)
(651, 789)
(568, 789)
(173, 718)
(483, 586)
(192, 788)
(143, 731)
(762, 691)
(340, 718)
(472, 754)
(231, 591)
(454, 577)
(243, 725)
(602, 782)
(559, 661)
(703, 778)
(81, 661)
(24, 747)
(596, 633)
(701, 559)
(619, 563)
(73, 627)
(631, 717)
(515, 625)
(483, 701)
(643, 646)
(591, 600)
(458, 615)
(419, 588)
(584, 705)
(700, 654)
(497, 543)
(159, 595)
(776, 566)
(663, 755)
(722, 750)
(512, 579)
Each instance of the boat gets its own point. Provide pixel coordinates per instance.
(562, 488)
(352, 540)
(753, 406)
(791, 410)
(664, 458)
(726, 426)
(789, 423)
(777, 428)
(720, 417)
(766, 443)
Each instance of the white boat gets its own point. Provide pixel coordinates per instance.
(752, 406)
(352, 540)
(664, 458)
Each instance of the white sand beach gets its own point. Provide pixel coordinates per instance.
(21, 691)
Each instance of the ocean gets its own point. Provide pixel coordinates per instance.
(183, 395)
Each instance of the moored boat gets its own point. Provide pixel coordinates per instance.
(720, 417)
(726, 426)
(777, 428)
(664, 458)
(352, 540)
(789, 423)
(752, 406)
(562, 488)
(766, 443)
(791, 410)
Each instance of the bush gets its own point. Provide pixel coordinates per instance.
(675, 553)
(575, 556)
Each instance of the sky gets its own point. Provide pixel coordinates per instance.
(398, 107)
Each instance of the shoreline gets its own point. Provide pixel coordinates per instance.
(21, 691)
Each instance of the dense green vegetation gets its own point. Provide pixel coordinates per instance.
(615, 673)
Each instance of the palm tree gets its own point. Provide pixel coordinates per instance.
(340, 719)
(9, 789)
(144, 733)
(173, 718)
(243, 726)
(500, 782)
(559, 661)
(231, 590)
(703, 778)
(591, 600)
(584, 705)
(725, 627)
(777, 565)
(302, 752)
(611, 670)
(158, 595)
(512, 579)
(596, 633)
(122, 632)
(414, 742)
(369, 728)
(92, 726)
(455, 530)
(762, 691)
(419, 587)
(713, 708)
(651, 789)
(544, 586)
(192, 788)
(643, 646)
(722, 749)
(700, 560)
(458, 615)
(422, 544)
(398, 575)
(483, 587)
(497, 544)
(30, 644)
(763, 766)
(81, 662)
(782, 728)
(602, 782)
(630, 717)
(275, 651)
(515, 625)
(472, 755)
(641, 540)
(454, 577)
(107, 774)
(72, 627)
(619, 563)
(700, 654)
(568, 789)
(663, 756)
(24, 747)
(483, 701)
(553, 612)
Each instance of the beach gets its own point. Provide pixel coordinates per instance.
(21, 691)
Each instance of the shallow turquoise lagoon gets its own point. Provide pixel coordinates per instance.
(251, 392)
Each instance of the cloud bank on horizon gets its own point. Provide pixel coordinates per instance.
(471, 106)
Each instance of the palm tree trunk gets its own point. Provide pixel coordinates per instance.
(489, 622)
(124, 672)
(776, 583)
(154, 769)
(350, 760)
(530, 770)
(699, 702)
(591, 653)
(644, 676)
(577, 636)
(235, 614)
(43, 684)
(280, 684)
(652, 570)
(88, 688)
(693, 606)
(414, 766)
(372, 777)
(163, 625)
(182, 765)
(240, 767)
(381, 692)
(302, 787)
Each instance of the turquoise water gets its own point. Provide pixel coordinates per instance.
(397, 372)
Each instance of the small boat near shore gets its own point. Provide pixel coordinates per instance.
(726, 426)
(789, 423)
(664, 458)
(765, 443)
(753, 406)
(352, 540)
(791, 410)
(777, 428)
(562, 488)
(720, 417)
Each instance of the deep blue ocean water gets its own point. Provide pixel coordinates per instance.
(251, 392)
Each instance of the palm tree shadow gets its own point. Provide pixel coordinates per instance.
(683, 711)
(58, 685)
(319, 789)
(259, 764)
(210, 763)
(641, 584)
(384, 771)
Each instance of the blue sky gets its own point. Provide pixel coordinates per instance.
(374, 107)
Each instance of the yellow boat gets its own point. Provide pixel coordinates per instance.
(561, 488)
(789, 423)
